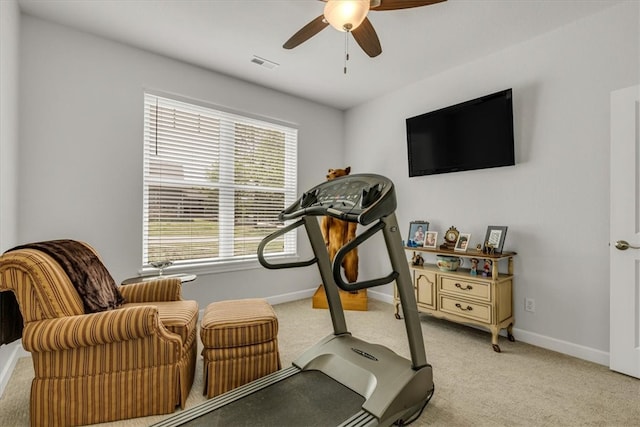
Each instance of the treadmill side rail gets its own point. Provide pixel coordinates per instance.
(360, 419)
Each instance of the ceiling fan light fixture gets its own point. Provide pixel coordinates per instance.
(346, 15)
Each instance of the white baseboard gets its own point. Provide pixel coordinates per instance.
(292, 296)
(308, 293)
(564, 347)
(11, 353)
(543, 341)
(380, 296)
(279, 299)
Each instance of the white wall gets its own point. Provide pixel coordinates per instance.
(81, 126)
(9, 43)
(555, 201)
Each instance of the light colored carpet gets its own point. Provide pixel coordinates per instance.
(522, 386)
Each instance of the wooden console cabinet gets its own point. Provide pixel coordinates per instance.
(461, 297)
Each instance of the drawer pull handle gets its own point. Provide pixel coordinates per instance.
(466, 288)
(469, 308)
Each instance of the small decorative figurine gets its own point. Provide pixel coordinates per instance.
(487, 268)
(474, 266)
(479, 247)
(488, 249)
(417, 259)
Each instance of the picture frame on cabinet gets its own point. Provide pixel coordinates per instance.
(463, 242)
(431, 239)
(417, 232)
(494, 239)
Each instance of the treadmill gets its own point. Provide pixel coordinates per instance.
(342, 380)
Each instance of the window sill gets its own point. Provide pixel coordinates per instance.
(203, 268)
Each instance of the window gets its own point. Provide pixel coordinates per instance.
(214, 184)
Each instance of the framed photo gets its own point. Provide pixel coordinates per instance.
(494, 240)
(463, 242)
(431, 239)
(417, 233)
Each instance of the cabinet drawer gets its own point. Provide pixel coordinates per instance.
(471, 310)
(467, 288)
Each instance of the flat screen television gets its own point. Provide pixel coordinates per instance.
(475, 134)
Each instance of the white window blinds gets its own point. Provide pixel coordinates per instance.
(214, 183)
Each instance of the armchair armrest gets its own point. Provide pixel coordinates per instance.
(169, 289)
(94, 329)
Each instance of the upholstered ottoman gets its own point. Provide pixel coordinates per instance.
(240, 339)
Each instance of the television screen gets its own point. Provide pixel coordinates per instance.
(475, 134)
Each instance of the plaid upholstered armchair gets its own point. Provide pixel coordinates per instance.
(133, 357)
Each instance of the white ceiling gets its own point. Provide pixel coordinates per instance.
(224, 35)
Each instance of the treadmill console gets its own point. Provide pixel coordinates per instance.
(361, 198)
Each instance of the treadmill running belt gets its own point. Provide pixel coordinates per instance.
(309, 398)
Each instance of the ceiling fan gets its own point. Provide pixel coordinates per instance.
(351, 16)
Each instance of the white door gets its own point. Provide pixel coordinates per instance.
(624, 348)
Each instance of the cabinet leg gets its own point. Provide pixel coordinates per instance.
(494, 339)
(510, 333)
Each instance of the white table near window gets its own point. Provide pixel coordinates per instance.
(184, 278)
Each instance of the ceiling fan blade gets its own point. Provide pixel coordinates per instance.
(306, 32)
(367, 38)
(403, 4)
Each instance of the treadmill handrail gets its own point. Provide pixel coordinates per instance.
(264, 242)
(337, 263)
(295, 211)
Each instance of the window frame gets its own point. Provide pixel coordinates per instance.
(290, 172)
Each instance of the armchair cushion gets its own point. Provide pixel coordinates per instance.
(167, 289)
(89, 276)
(179, 317)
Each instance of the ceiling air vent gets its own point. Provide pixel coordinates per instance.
(264, 62)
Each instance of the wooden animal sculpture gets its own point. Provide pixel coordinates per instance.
(337, 233)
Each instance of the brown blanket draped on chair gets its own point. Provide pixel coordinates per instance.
(88, 275)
